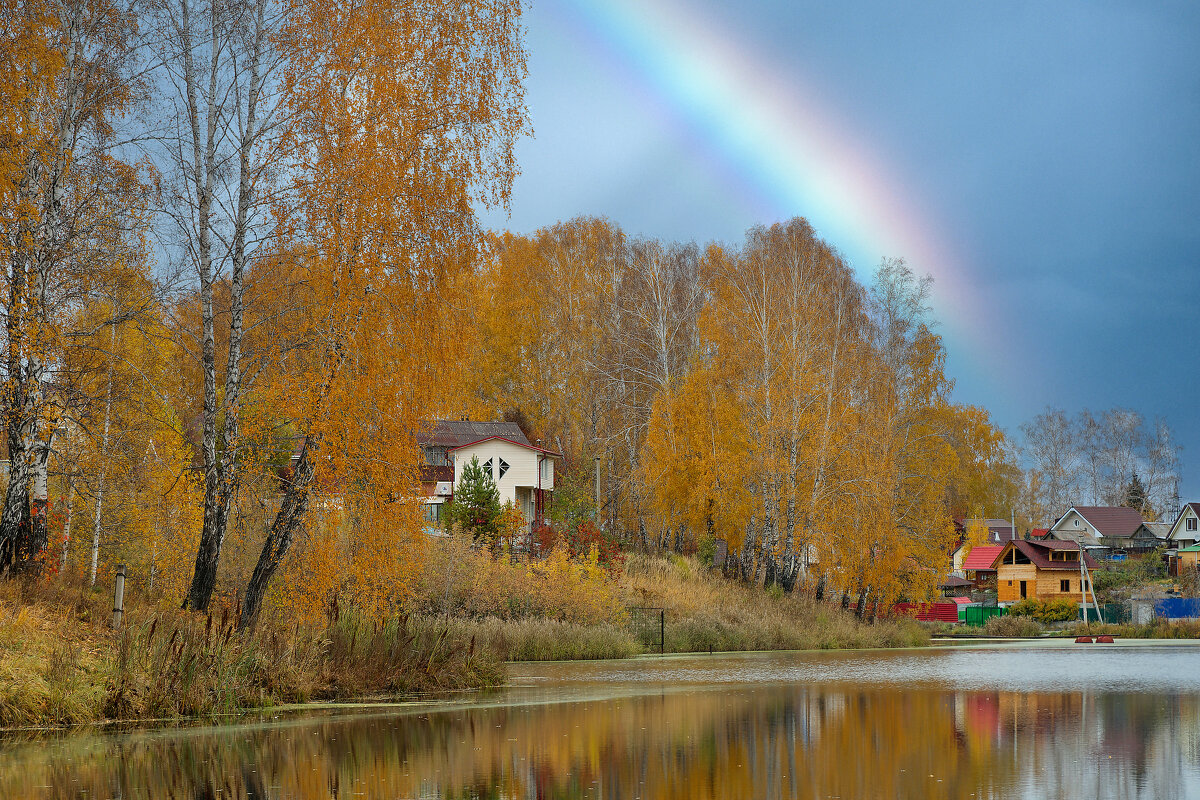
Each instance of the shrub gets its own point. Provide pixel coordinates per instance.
(1060, 609)
(1011, 626)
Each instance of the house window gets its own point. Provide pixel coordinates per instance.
(487, 467)
(1010, 583)
(1191, 523)
(1076, 522)
(1064, 585)
(503, 466)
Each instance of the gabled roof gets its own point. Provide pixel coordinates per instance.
(1038, 533)
(954, 582)
(527, 446)
(1113, 522)
(1159, 530)
(1039, 554)
(982, 557)
(456, 433)
(1194, 508)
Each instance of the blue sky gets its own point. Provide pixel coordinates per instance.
(1053, 149)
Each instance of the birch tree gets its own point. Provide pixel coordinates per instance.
(222, 73)
(407, 114)
(68, 206)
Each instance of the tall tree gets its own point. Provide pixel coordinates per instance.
(68, 205)
(223, 72)
(407, 115)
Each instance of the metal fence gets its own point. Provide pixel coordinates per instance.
(1114, 613)
(979, 615)
(649, 625)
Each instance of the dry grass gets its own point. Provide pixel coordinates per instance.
(541, 639)
(459, 580)
(61, 665)
(1158, 629)
(705, 611)
(1022, 627)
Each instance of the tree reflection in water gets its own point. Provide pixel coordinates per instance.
(762, 742)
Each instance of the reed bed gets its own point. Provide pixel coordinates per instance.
(61, 665)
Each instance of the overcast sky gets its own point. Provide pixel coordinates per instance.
(1051, 151)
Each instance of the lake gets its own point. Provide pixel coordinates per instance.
(995, 721)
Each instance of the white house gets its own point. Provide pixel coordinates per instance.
(1096, 527)
(523, 471)
(1186, 530)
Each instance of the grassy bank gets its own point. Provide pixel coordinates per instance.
(60, 664)
(705, 611)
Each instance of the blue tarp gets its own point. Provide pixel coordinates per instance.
(1178, 608)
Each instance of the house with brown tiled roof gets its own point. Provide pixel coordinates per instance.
(522, 471)
(1186, 530)
(1045, 570)
(1096, 527)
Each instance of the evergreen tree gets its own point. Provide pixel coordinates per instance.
(476, 507)
(1135, 493)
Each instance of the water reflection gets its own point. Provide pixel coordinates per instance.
(642, 739)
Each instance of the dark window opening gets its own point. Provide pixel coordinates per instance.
(1064, 585)
(503, 466)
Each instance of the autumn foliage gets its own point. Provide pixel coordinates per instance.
(219, 352)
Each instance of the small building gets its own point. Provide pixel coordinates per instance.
(1186, 529)
(1044, 570)
(952, 585)
(978, 566)
(1185, 558)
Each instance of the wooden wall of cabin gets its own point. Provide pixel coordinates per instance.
(1044, 584)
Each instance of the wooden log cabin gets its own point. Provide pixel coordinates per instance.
(1044, 570)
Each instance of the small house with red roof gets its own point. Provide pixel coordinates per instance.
(979, 565)
(1044, 570)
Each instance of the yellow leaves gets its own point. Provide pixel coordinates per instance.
(976, 534)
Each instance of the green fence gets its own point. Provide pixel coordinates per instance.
(1113, 613)
(979, 615)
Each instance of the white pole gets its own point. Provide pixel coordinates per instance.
(119, 598)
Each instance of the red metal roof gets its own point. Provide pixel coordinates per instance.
(982, 557)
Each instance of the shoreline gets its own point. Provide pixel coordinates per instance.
(476, 698)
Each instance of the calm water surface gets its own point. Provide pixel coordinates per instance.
(993, 722)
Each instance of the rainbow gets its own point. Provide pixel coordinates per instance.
(796, 156)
